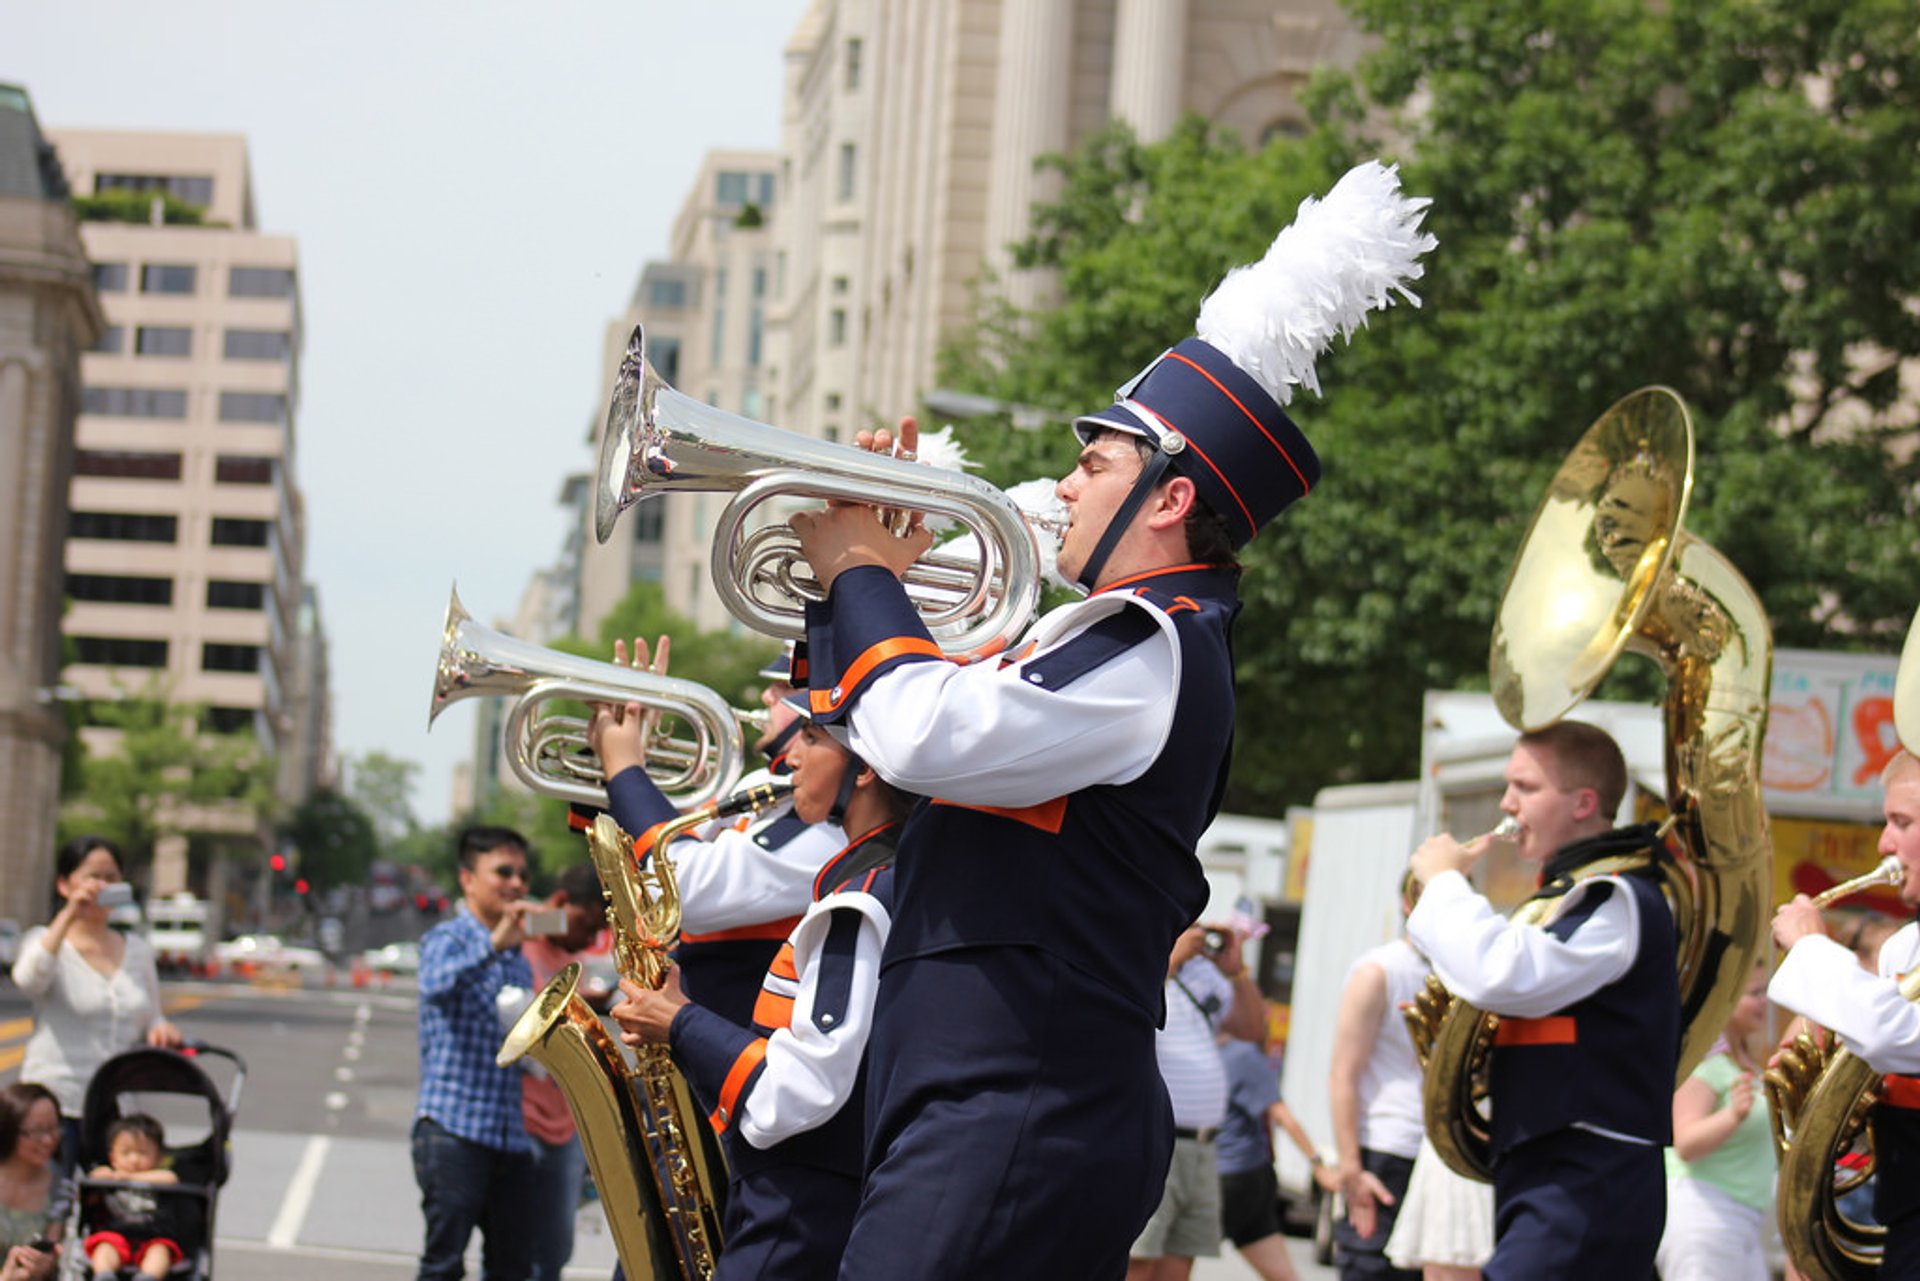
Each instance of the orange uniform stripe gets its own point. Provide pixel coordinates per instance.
(767, 930)
(736, 1081)
(1047, 815)
(821, 700)
(1149, 575)
(1900, 1091)
(772, 1010)
(1560, 1029)
(783, 967)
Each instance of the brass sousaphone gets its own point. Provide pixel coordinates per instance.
(1606, 568)
(1820, 1095)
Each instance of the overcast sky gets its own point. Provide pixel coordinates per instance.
(474, 187)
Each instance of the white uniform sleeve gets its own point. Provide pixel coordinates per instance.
(808, 1073)
(1824, 981)
(984, 735)
(1521, 970)
(732, 880)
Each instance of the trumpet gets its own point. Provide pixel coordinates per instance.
(657, 440)
(1887, 872)
(1507, 829)
(697, 752)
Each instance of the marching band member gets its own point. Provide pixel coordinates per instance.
(1589, 1038)
(1822, 980)
(743, 887)
(1017, 1124)
(788, 1087)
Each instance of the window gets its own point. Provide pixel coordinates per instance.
(216, 657)
(671, 294)
(168, 278)
(134, 402)
(258, 344)
(833, 401)
(840, 286)
(664, 355)
(223, 593)
(123, 527)
(112, 338)
(259, 282)
(759, 282)
(837, 327)
(110, 277)
(120, 651)
(854, 50)
(120, 589)
(234, 469)
(231, 532)
(730, 188)
(753, 338)
(126, 464)
(162, 340)
(253, 407)
(843, 186)
(715, 352)
(227, 720)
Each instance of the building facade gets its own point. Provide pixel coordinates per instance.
(49, 315)
(186, 548)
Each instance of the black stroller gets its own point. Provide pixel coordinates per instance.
(172, 1087)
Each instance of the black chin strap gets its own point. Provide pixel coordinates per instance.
(848, 778)
(1150, 473)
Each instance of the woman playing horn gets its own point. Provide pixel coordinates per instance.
(1821, 980)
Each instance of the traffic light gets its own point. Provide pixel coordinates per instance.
(300, 886)
(278, 862)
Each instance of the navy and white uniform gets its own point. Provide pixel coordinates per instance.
(1017, 1122)
(743, 888)
(789, 1091)
(1583, 1062)
(1823, 981)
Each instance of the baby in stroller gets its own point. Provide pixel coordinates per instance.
(136, 1145)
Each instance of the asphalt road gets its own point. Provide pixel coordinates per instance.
(323, 1182)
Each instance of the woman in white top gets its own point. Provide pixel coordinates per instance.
(95, 991)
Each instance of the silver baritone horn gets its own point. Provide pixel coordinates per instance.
(657, 440)
(695, 758)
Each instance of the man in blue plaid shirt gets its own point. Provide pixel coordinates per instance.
(471, 1153)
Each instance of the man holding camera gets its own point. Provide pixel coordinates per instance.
(1208, 992)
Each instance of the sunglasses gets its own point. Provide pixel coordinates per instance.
(510, 872)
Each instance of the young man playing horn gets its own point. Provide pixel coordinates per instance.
(1589, 1038)
(1821, 980)
(787, 1082)
(1017, 1124)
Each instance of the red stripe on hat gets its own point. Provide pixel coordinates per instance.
(1305, 488)
(1252, 524)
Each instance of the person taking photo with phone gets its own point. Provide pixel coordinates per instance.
(95, 991)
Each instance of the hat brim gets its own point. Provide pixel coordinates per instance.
(1115, 418)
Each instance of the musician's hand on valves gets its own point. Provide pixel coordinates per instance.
(1797, 920)
(846, 537)
(617, 734)
(644, 1014)
(1441, 853)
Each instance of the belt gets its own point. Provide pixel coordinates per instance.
(1205, 1134)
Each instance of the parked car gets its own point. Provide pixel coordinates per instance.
(268, 952)
(177, 932)
(394, 958)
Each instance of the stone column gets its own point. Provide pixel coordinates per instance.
(1030, 102)
(1149, 63)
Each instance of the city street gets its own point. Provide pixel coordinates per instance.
(323, 1184)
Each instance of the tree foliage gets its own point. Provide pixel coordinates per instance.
(1708, 194)
(335, 838)
(159, 774)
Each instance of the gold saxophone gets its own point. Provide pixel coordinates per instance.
(1820, 1096)
(1606, 568)
(638, 1125)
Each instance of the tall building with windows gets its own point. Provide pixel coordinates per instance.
(186, 544)
(48, 317)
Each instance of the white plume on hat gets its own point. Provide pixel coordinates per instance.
(1342, 257)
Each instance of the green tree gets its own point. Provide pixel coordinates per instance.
(336, 839)
(159, 774)
(1696, 194)
(381, 787)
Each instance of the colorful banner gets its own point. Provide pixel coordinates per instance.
(1829, 733)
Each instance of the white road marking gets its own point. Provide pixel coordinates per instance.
(292, 1214)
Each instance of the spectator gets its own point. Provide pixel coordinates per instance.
(31, 1203)
(136, 1153)
(471, 1154)
(560, 1166)
(1249, 1190)
(1444, 1230)
(1720, 1167)
(1373, 1092)
(1208, 992)
(95, 990)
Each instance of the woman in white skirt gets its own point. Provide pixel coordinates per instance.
(1720, 1167)
(1445, 1228)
